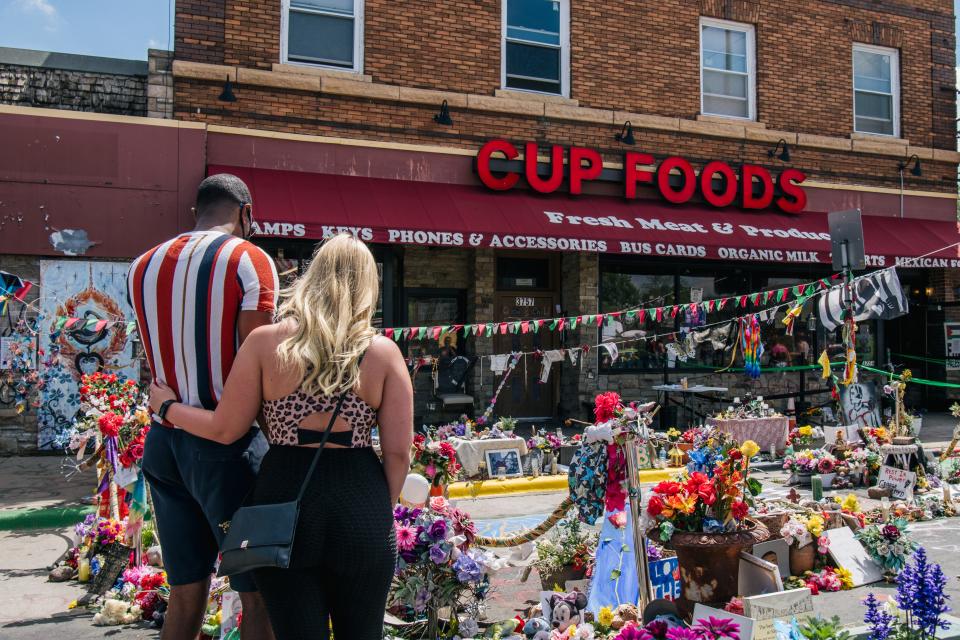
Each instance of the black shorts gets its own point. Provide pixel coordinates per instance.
(197, 485)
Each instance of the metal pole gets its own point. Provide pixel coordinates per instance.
(901, 192)
(639, 539)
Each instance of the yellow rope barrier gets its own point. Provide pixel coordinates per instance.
(532, 534)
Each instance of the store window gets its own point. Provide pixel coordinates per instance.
(727, 69)
(876, 90)
(693, 341)
(536, 47)
(432, 307)
(324, 32)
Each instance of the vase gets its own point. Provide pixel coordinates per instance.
(803, 478)
(436, 490)
(710, 564)
(802, 558)
(560, 577)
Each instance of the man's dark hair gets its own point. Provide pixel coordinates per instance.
(219, 188)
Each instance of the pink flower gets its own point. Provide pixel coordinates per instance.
(406, 537)
(823, 545)
(438, 504)
(431, 470)
(619, 519)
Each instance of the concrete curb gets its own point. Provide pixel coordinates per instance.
(542, 484)
(49, 518)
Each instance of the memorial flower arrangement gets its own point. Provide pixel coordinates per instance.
(569, 545)
(920, 601)
(716, 500)
(437, 564)
(112, 412)
(436, 461)
(801, 531)
(888, 544)
(464, 427)
(801, 436)
(545, 442)
(810, 461)
(709, 628)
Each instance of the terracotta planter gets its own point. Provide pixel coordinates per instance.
(559, 578)
(436, 490)
(774, 522)
(802, 559)
(710, 565)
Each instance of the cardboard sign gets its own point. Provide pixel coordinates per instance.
(847, 552)
(899, 481)
(951, 331)
(665, 578)
(116, 556)
(757, 576)
(765, 609)
(701, 612)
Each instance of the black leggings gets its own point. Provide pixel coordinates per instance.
(344, 551)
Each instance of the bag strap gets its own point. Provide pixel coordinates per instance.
(323, 442)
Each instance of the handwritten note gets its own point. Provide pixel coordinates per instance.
(899, 481)
(765, 609)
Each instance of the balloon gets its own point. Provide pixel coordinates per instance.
(415, 490)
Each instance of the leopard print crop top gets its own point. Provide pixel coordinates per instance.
(284, 415)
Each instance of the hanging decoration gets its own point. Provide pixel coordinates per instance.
(488, 413)
(20, 380)
(751, 345)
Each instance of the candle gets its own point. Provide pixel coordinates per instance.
(885, 507)
(535, 466)
(773, 452)
(83, 570)
(816, 485)
(501, 474)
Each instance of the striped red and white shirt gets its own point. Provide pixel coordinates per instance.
(187, 294)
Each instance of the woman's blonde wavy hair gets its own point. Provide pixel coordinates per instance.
(331, 307)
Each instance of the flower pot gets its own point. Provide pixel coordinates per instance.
(710, 564)
(436, 490)
(827, 479)
(559, 578)
(802, 558)
(803, 478)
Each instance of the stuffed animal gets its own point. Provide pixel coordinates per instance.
(622, 615)
(116, 612)
(537, 629)
(566, 609)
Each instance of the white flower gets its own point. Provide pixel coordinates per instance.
(883, 550)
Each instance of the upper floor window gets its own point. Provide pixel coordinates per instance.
(876, 90)
(727, 69)
(324, 32)
(536, 45)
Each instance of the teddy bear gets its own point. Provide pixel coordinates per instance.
(115, 612)
(622, 615)
(566, 609)
(537, 629)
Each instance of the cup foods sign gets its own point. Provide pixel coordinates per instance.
(719, 184)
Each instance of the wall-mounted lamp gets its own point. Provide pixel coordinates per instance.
(916, 170)
(444, 116)
(227, 94)
(784, 154)
(626, 134)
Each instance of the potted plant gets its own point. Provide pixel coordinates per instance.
(921, 602)
(805, 537)
(703, 517)
(436, 461)
(565, 554)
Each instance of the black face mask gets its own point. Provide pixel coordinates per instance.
(246, 231)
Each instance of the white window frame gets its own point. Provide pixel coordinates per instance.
(751, 32)
(894, 85)
(564, 50)
(358, 11)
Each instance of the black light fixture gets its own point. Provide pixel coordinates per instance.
(916, 170)
(784, 155)
(444, 116)
(227, 94)
(626, 134)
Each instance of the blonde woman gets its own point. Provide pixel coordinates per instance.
(322, 348)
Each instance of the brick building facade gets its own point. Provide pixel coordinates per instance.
(362, 120)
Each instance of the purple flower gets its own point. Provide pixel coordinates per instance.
(420, 600)
(633, 632)
(654, 552)
(715, 628)
(460, 430)
(437, 530)
(657, 628)
(878, 619)
(679, 633)
(468, 569)
(920, 591)
(437, 554)
(409, 556)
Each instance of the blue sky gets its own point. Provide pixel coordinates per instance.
(113, 28)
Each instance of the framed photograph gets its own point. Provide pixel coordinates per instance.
(507, 460)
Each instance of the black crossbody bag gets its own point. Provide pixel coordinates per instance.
(261, 535)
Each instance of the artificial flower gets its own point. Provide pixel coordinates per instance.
(823, 545)
(845, 576)
(605, 617)
(749, 449)
(739, 509)
(438, 504)
(815, 525)
(655, 505)
(619, 519)
(406, 537)
(717, 628)
(805, 431)
(668, 488)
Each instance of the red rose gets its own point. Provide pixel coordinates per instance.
(735, 454)
(126, 459)
(605, 406)
(447, 451)
(696, 480)
(419, 439)
(655, 506)
(668, 488)
(814, 590)
(707, 494)
(136, 450)
(739, 509)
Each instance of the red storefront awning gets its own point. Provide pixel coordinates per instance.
(312, 205)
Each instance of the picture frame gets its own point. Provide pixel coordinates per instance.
(508, 459)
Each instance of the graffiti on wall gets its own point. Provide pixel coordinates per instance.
(87, 290)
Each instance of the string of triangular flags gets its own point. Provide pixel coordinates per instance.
(489, 329)
(64, 323)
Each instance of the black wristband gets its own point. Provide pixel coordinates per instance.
(164, 408)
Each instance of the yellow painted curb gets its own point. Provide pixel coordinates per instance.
(529, 484)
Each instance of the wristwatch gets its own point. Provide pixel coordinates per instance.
(162, 412)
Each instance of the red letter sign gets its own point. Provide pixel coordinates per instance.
(631, 172)
(689, 180)
(794, 198)
(747, 173)
(556, 168)
(483, 165)
(579, 173)
(729, 194)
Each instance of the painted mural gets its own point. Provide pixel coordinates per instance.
(96, 293)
